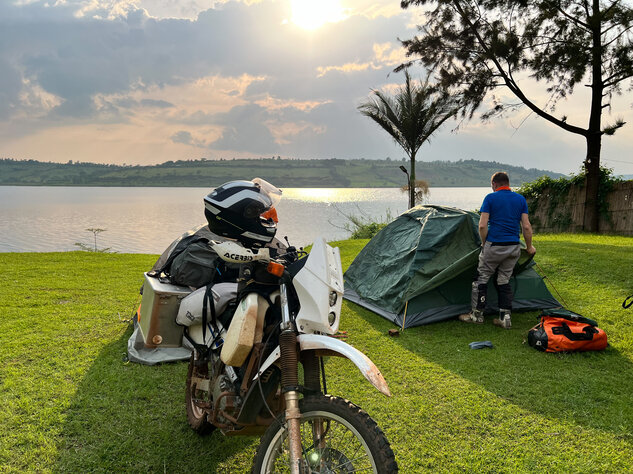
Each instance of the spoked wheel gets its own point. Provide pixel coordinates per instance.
(196, 416)
(336, 437)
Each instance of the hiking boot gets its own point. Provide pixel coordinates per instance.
(475, 317)
(503, 320)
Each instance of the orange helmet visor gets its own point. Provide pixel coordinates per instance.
(271, 214)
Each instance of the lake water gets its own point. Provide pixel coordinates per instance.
(146, 220)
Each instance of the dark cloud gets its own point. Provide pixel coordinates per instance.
(10, 87)
(346, 134)
(245, 131)
(182, 137)
(187, 138)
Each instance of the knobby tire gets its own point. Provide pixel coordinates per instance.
(370, 453)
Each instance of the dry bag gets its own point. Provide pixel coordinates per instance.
(560, 330)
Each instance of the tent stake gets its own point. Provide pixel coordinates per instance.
(405, 314)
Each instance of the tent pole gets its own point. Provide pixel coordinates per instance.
(405, 315)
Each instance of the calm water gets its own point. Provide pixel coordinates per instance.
(146, 220)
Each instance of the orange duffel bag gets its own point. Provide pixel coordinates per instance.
(560, 330)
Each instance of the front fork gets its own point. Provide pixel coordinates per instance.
(290, 381)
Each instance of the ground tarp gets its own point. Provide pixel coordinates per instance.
(426, 260)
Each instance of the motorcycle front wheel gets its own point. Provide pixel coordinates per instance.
(336, 437)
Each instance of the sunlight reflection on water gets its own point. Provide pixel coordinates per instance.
(146, 220)
(331, 195)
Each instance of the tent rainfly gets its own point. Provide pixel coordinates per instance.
(424, 262)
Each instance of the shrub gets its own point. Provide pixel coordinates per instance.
(363, 227)
(557, 190)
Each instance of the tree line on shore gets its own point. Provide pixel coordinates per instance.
(286, 172)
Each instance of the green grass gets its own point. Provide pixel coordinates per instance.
(70, 403)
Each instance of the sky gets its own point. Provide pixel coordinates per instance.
(147, 81)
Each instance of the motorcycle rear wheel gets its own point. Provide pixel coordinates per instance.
(196, 416)
(351, 441)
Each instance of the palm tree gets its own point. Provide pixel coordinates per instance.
(411, 116)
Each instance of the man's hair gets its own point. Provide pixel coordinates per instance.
(500, 178)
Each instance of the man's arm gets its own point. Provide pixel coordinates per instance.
(483, 226)
(527, 233)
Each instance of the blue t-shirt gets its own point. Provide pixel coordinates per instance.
(505, 208)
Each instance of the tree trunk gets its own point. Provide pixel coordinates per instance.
(594, 133)
(591, 222)
(412, 182)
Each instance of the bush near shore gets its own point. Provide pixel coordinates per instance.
(70, 403)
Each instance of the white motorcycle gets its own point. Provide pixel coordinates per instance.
(244, 377)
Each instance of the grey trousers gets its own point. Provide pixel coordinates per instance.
(493, 258)
(500, 258)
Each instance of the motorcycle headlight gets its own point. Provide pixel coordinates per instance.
(333, 298)
(331, 318)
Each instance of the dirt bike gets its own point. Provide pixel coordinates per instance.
(245, 379)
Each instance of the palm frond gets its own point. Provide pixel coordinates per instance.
(413, 114)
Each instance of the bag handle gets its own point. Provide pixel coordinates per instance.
(586, 334)
(566, 314)
(627, 302)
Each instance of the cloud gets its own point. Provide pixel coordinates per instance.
(161, 104)
(10, 89)
(272, 103)
(182, 137)
(186, 138)
(35, 101)
(101, 48)
(151, 80)
(245, 130)
(386, 55)
(372, 9)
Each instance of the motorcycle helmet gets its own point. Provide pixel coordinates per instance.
(243, 210)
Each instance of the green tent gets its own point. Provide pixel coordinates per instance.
(425, 261)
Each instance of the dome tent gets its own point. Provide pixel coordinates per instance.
(425, 261)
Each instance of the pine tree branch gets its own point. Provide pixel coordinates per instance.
(512, 85)
(573, 19)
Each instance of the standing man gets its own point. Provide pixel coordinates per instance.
(502, 212)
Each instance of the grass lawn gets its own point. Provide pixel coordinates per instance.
(69, 402)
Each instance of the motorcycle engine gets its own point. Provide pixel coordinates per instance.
(230, 403)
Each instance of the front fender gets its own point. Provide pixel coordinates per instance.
(309, 342)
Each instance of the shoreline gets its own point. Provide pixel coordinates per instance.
(316, 186)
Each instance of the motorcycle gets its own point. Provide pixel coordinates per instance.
(244, 376)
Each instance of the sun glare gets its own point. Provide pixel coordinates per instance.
(311, 14)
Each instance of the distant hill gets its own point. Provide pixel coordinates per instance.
(332, 173)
